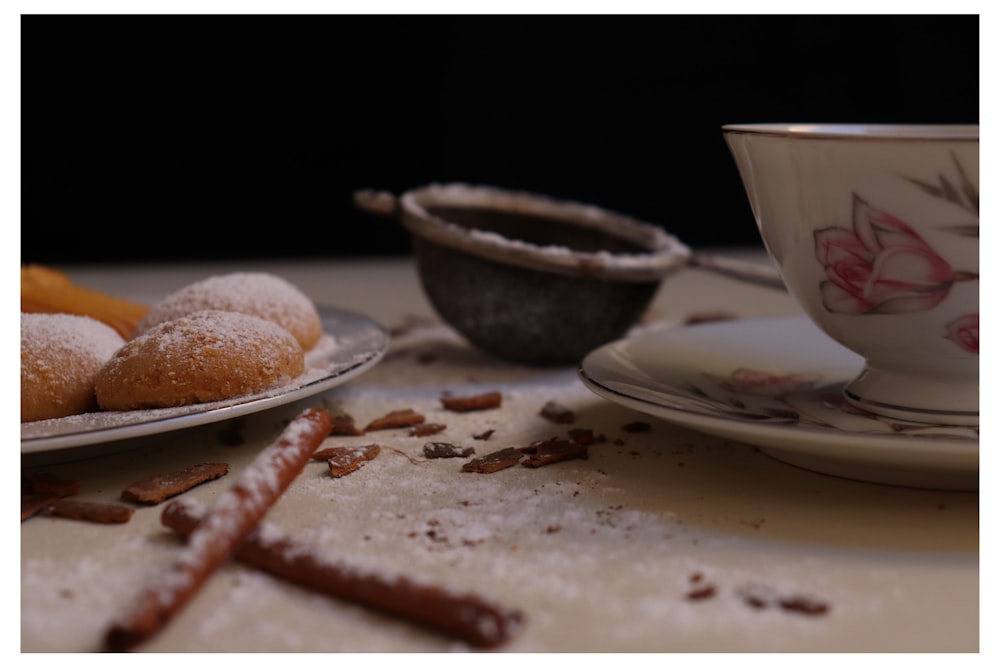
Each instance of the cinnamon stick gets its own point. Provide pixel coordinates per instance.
(463, 616)
(234, 515)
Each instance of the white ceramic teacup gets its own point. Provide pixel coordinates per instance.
(875, 231)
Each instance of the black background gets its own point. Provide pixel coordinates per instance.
(148, 138)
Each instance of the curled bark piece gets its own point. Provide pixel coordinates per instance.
(344, 425)
(396, 419)
(36, 503)
(553, 450)
(154, 490)
(50, 483)
(44, 490)
(95, 512)
(426, 429)
(345, 460)
(494, 461)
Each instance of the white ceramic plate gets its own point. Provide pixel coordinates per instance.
(352, 344)
(776, 383)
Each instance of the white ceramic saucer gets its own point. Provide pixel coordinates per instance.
(777, 383)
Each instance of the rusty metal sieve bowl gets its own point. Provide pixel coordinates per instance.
(528, 278)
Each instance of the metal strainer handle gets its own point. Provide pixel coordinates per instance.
(740, 269)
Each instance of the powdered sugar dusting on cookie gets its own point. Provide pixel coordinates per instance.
(205, 356)
(262, 294)
(75, 334)
(60, 356)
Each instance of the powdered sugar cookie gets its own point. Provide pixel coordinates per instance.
(61, 355)
(209, 355)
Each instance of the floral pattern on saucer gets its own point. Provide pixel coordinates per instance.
(803, 399)
(777, 383)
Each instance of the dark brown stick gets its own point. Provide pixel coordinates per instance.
(463, 616)
(231, 519)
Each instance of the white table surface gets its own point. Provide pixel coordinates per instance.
(635, 523)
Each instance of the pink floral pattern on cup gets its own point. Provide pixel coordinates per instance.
(880, 266)
(964, 332)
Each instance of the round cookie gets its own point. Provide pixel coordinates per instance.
(209, 355)
(61, 355)
(261, 294)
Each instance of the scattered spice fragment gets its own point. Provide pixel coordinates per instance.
(702, 592)
(95, 512)
(754, 523)
(344, 425)
(804, 604)
(706, 317)
(585, 436)
(446, 450)
(33, 503)
(553, 450)
(156, 489)
(49, 483)
(485, 435)
(494, 461)
(345, 460)
(758, 596)
(426, 429)
(396, 419)
(557, 413)
(42, 491)
(485, 401)
(637, 427)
